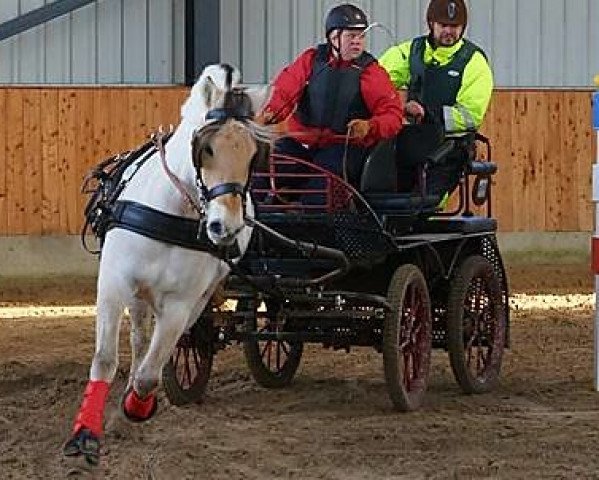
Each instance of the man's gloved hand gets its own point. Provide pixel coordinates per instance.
(265, 117)
(415, 110)
(358, 128)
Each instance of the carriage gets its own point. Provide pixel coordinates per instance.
(342, 267)
(330, 264)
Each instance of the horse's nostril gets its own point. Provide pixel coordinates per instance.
(216, 227)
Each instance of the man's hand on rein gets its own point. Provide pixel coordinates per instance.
(358, 128)
(414, 110)
(265, 117)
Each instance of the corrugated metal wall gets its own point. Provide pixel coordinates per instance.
(108, 41)
(531, 43)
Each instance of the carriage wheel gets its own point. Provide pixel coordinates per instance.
(186, 374)
(476, 322)
(407, 339)
(273, 363)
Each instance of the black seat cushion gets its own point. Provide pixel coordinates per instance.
(401, 202)
(473, 224)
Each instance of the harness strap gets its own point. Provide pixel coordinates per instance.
(159, 142)
(225, 188)
(167, 228)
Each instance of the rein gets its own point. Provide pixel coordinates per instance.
(158, 139)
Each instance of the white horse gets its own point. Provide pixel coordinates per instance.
(204, 172)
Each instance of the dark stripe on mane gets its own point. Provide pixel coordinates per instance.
(229, 78)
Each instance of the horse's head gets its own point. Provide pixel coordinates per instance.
(224, 151)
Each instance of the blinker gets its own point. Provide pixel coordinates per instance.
(222, 114)
(236, 105)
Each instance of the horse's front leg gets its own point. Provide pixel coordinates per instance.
(170, 323)
(88, 426)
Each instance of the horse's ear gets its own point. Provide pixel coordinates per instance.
(259, 96)
(211, 92)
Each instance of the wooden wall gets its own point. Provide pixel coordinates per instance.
(50, 136)
(545, 147)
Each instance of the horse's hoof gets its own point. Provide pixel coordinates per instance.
(84, 446)
(137, 409)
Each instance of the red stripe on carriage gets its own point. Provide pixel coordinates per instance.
(595, 255)
(91, 412)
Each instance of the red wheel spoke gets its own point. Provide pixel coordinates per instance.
(196, 359)
(176, 361)
(187, 367)
(278, 356)
(267, 352)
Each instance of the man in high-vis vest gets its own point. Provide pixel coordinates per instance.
(448, 78)
(333, 90)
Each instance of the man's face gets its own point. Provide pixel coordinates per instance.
(351, 43)
(446, 35)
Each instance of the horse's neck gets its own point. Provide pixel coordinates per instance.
(151, 184)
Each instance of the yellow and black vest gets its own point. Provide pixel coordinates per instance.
(433, 85)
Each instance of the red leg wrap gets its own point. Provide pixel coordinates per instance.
(139, 407)
(91, 412)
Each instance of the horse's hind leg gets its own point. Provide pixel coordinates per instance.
(139, 316)
(88, 426)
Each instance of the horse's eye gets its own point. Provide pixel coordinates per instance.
(208, 150)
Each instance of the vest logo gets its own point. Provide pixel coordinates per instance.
(453, 73)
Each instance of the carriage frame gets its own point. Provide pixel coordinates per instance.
(363, 268)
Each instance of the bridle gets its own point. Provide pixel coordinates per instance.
(217, 117)
(236, 107)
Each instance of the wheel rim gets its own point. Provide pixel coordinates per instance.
(480, 328)
(414, 338)
(188, 363)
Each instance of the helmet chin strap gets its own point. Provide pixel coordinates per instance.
(336, 50)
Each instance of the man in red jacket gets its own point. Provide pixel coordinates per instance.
(333, 90)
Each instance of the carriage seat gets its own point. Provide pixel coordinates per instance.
(379, 184)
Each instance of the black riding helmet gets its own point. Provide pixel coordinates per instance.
(345, 17)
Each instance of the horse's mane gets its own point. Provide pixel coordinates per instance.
(226, 78)
(223, 76)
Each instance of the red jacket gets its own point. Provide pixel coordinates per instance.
(380, 97)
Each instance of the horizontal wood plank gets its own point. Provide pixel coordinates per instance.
(542, 142)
